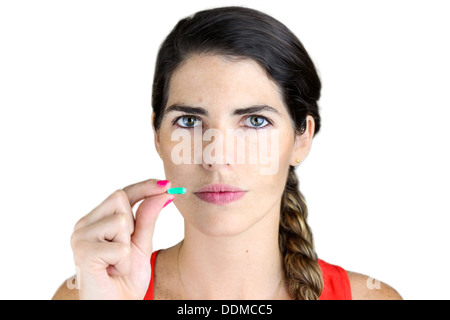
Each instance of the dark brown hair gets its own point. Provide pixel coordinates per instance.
(243, 33)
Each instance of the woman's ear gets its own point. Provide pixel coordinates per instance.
(156, 136)
(303, 142)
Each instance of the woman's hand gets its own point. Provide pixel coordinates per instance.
(112, 249)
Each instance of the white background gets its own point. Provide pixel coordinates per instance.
(75, 107)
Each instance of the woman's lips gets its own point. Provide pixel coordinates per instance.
(220, 198)
(220, 194)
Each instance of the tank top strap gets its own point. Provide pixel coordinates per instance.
(149, 294)
(336, 284)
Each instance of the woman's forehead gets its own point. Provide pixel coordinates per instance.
(215, 81)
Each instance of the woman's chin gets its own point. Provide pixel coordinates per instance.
(220, 224)
(222, 220)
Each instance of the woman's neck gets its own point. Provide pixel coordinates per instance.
(243, 266)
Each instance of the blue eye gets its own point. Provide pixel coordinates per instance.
(185, 121)
(258, 121)
(188, 121)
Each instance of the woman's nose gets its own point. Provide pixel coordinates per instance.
(217, 154)
(215, 166)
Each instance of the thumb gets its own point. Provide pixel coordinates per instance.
(146, 216)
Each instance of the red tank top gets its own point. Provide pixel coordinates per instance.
(335, 280)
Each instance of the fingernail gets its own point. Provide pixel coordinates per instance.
(169, 201)
(162, 183)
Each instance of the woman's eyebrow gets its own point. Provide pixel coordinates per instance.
(187, 109)
(234, 112)
(254, 109)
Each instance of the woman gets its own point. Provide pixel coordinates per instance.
(223, 70)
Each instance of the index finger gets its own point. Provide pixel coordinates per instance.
(144, 189)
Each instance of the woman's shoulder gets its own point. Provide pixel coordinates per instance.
(364, 287)
(67, 291)
(343, 284)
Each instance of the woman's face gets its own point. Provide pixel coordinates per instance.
(196, 150)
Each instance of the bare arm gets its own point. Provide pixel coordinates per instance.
(367, 288)
(67, 291)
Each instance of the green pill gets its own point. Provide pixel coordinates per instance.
(176, 190)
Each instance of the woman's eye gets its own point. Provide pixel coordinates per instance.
(254, 122)
(186, 121)
(258, 122)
